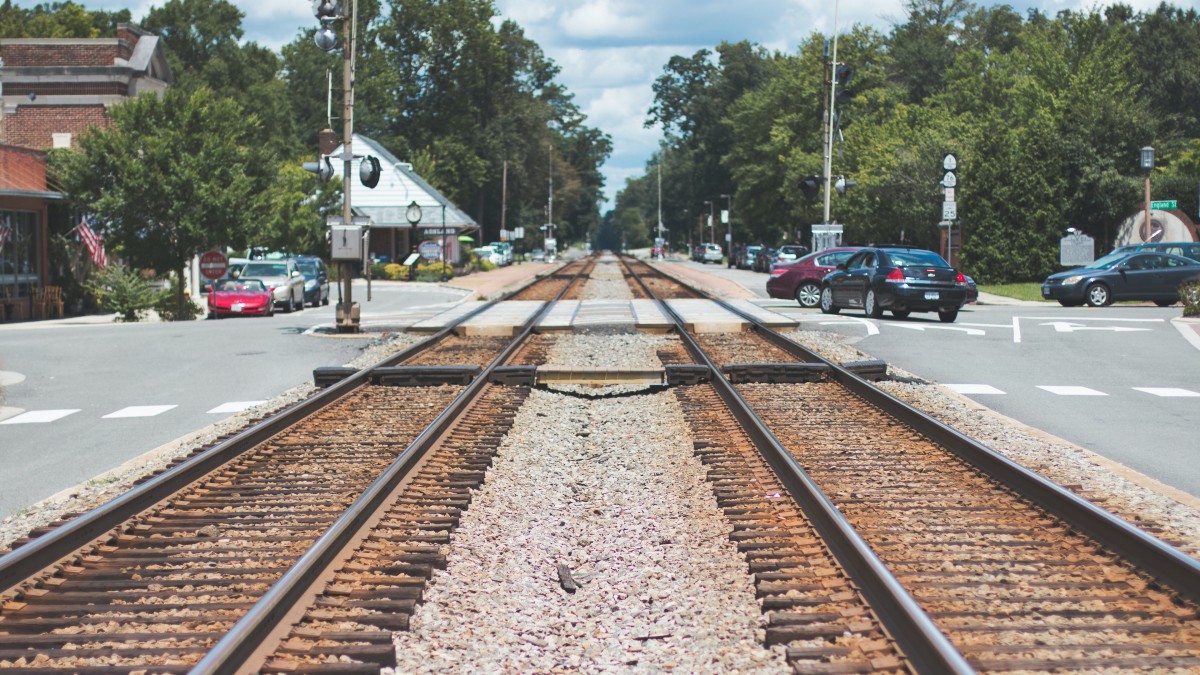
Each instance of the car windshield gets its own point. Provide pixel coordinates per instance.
(1107, 262)
(264, 269)
(906, 258)
(252, 286)
(307, 267)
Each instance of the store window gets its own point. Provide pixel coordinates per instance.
(19, 253)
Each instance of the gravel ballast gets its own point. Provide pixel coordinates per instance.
(588, 483)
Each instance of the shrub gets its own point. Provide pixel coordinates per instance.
(167, 305)
(378, 270)
(395, 272)
(1189, 293)
(433, 271)
(119, 289)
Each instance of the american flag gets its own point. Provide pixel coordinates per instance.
(5, 233)
(92, 241)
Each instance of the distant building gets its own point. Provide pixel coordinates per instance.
(52, 90)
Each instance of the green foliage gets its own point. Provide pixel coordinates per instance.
(395, 272)
(1189, 293)
(433, 271)
(119, 289)
(166, 303)
(172, 177)
(482, 264)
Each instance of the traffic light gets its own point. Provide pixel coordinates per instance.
(842, 78)
(810, 186)
(368, 171)
(321, 167)
(843, 184)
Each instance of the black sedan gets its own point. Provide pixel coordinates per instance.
(899, 279)
(1123, 275)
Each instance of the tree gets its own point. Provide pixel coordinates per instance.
(171, 177)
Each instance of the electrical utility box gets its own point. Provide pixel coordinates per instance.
(346, 241)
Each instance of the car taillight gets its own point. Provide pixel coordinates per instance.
(895, 275)
(960, 279)
(778, 271)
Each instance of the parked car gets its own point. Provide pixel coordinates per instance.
(489, 254)
(802, 279)
(745, 259)
(1126, 275)
(537, 255)
(972, 290)
(711, 253)
(239, 296)
(504, 248)
(899, 279)
(762, 259)
(316, 280)
(1186, 249)
(787, 254)
(282, 278)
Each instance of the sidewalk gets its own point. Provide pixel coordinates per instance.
(484, 285)
(989, 299)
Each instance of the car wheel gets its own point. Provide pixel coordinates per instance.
(1068, 303)
(948, 315)
(901, 313)
(300, 305)
(290, 306)
(1098, 295)
(871, 305)
(827, 305)
(808, 295)
(1164, 303)
(325, 301)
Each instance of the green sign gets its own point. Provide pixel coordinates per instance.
(1165, 204)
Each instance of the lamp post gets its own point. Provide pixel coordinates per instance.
(729, 228)
(711, 238)
(1146, 161)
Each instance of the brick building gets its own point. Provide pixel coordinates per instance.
(52, 90)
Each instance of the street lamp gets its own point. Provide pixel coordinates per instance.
(711, 237)
(1146, 161)
(729, 228)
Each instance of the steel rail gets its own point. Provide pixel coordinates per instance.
(1168, 565)
(922, 642)
(247, 637)
(22, 563)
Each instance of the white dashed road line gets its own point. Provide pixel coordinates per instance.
(139, 411)
(234, 406)
(40, 416)
(1168, 391)
(1072, 391)
(973, 388)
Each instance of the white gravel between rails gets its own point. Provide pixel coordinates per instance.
(610, 488)
(606, 282)
(1140, 500)
(116, 482)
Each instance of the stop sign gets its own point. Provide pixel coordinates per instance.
(213, 265)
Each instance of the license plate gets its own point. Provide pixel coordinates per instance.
(236, 307)
(932, 295)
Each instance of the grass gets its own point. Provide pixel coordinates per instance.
(1025, 291)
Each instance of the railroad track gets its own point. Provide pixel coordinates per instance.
(322, 591)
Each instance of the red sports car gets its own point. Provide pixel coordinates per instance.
(801, 280)
(231, 297)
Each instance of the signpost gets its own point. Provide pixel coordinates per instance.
(949, 204)
(213, 265)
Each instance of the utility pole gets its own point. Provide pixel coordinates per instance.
(550, 201)
(829, 119)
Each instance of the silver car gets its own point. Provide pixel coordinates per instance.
(282, 277)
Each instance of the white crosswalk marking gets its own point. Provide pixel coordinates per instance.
(139, 411)
(1168, 391)
(40, 416)
(973, 388)
(1072, 391)
(234, 406)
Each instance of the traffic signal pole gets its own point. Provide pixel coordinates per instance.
(345, 319)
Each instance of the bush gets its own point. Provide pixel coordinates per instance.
(1189, 293)
(119, 289)
(395, 272)
(167, 305)
(433, 271)
(378, 271)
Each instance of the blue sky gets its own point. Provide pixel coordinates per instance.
(611, 51)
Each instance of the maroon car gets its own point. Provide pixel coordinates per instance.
(801, 280)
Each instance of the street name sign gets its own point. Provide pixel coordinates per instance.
(1165, 204)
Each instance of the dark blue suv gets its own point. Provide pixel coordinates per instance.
(899, 279)
(316, 280)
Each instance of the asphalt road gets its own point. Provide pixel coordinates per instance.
(1121, 381)
(120, 378)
